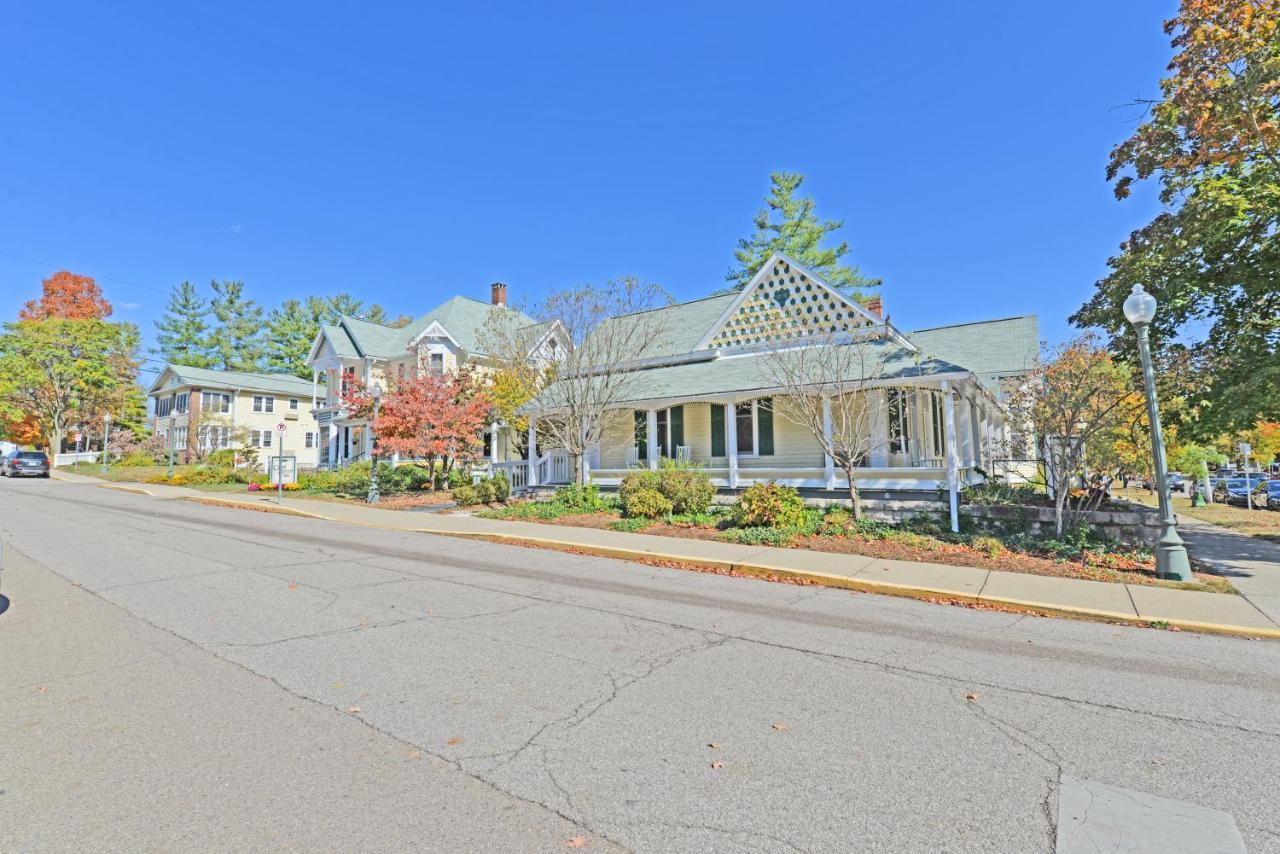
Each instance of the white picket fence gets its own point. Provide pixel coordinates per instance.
(72, 459)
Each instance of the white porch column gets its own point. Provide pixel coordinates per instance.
(878, 456)
(975, 424)
(493, 442)
(828, 461)
(965, 449)
(651, 437)
(731, 441)
(315, 381)
(532, 480)
(953, 460)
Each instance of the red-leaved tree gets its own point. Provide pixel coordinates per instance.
(430, 417)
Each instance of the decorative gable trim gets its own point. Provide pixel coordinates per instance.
(435, 329)
(802, 299)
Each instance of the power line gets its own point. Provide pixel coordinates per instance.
(101, 278)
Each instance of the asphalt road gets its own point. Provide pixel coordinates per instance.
(181, 677)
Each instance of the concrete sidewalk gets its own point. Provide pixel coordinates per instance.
(1250, 563)
(1135, 603)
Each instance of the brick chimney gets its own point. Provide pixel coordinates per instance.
(499, 293)
(876, 306)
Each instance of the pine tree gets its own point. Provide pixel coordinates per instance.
(183, 331)
(343, 304)
(292, 329)
(236, 343)
(376, 314)
(799, 233)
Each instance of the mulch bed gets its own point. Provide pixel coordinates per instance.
(1117, 569)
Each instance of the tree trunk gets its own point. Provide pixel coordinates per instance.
(1059, 505)
(855, 498)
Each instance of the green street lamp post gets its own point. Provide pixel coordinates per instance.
(1171, 554)
(373, 496)
(106, 437)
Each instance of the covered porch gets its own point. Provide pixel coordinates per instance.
(926, 435)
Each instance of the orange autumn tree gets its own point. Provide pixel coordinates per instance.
(431, 417)
(68, 295)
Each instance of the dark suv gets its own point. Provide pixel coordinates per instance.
(25, 464)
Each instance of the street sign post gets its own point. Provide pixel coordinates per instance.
(280, 428)
(1245, 450)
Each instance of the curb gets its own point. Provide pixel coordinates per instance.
(844, 582)
(133, 490)
(261, 508)
(820, 579)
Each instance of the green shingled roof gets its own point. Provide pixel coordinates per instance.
(989, 348)
(683, 325)
(462, 317)
(742, 375)
(205, 378)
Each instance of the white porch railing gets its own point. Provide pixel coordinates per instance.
(555, 467)
(517, 472)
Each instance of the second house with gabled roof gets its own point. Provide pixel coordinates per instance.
(442, 340)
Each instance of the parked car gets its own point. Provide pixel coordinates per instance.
(25, 464)
(1273, 494)
(1236, 490)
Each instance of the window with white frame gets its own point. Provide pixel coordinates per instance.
(211, 437)
(266, 438)
(899, 417)
(164, 405)
(752, 423)
(215, 402)
(939, 425)
(309, 440)
(180, 402)
(437, 363)
(293, 403)
(264, 403)
(180, 437)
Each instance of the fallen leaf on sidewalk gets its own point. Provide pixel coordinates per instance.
(415, 754)
(715, 745)
(339, 684)
(780, 727)
(575, 842)
(453, 742)
(971, 696)
(43, 689)
(353, 710)
(293, 585)
(717, 765)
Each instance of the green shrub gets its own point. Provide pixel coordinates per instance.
(994, 491)
(990, 546)
(465, 495)
(417, 477)
(222, 457)
(485, 491)
(581, 499)
(318, 480)
(458, 477)
(688, 490)
(769, 505)
(501, 486)
(761, 536)
(636, 480)
(631, 525)
(646, 503)
(135, 458)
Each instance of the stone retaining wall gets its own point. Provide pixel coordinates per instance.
(1134, 525)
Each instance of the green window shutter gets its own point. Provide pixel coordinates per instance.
(764, 426)
(642, 427)
(717, 430)
(677, 427)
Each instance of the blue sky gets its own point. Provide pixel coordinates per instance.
(406, 154)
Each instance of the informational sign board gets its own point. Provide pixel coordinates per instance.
(282, 470)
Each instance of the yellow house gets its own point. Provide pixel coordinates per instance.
(198, 411)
